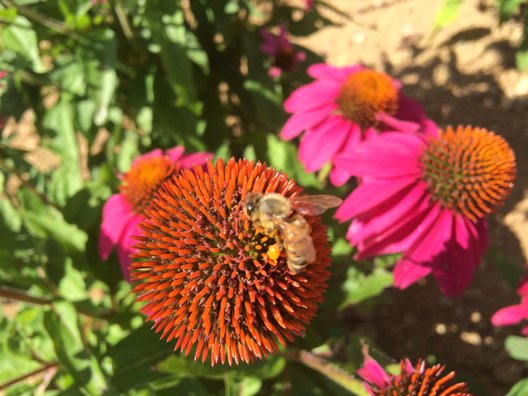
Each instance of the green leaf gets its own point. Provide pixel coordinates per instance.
(283, 156)
(72, 286)
(359, 286)
(517, 347)
(130, 356)
(519, 389)
(167, 24)
(182, 366)
(44, 221)
(62, 325)
(521, 59)
(447, 14)
(22, 39)
(507, 8)
(67, 179)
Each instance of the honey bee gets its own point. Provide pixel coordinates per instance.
(274, 213)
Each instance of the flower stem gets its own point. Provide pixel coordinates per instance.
(329, 370)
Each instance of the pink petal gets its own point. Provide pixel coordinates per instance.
(373, 373)
(125, 249)
(327, 72)
(394, 124)
(396, 210)
(368, 196)
(399, 236)
(151, 154)
(299, 122)
(175, 153)
(510, 315)
(319, 145)
(409, 109)
(389, 155)
(189, 160)
(407, 272)
(340, 175)
(425, 249)
(116, 214)
(455, 267)
(311, 96)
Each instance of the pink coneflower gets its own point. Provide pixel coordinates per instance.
(343, 106)
(514, 313)
(123, 212)
(417, 380)
(426, 197)
(281, 50)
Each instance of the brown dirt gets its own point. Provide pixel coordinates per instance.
(465, 73)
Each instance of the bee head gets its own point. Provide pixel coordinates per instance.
(250, 205)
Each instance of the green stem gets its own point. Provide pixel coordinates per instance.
(329, 370)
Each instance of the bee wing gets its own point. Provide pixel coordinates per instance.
(313, 205)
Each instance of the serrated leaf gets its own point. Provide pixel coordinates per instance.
(517, 347)
(447, 13)
(22, 39)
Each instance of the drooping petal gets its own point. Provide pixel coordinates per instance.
(327, 72)
(392, 123)
(409, 109)
(373, 373)
(456, 265)
(510, 315)
(311, 96)
(386, 156)
(340, 175)
(116, 214)
(151, 154)
(369, 195)
(175, 153)
(424, 250)
(319, 145)
(125, 247)
(187, 161)
(394, 211)
(299, 122)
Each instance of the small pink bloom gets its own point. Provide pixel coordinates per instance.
(123, 211)
(281, 50)
(342, 107)
(514, 314)
(410, 380)
(426, 197)
(308, 5)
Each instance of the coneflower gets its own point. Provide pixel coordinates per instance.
(204, 272)
(419, 380)
(427, 197)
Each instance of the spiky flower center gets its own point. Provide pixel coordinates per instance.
(140, 182)
(211, 279)
(424, 381)
(366, 93)
(469, 170)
